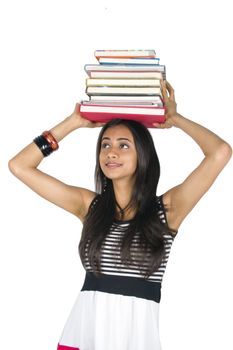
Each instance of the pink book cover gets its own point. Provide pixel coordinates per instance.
(104, 117)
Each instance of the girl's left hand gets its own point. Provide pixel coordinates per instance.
(169, 104)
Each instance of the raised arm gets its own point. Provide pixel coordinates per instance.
(24, 166)
(182, 198)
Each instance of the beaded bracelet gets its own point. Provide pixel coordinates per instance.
(46, 143)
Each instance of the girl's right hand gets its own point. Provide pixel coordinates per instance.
(83, 122)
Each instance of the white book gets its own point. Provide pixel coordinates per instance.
(124, 53)
(136, 99)
(124, 67)
(123, 90)
(121, 103)
(122, 82)
(126, 75)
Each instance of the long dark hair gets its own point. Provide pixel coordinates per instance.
(146, 221)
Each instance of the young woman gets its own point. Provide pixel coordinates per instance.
(127, 229)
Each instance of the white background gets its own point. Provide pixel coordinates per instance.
(44, 47)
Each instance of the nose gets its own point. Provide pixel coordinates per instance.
(112, 154)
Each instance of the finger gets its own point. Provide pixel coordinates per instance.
(99, 124)
(171, 91)
(156, 125)
(77, 107)
(164, 125)
(159, 125)
(164, 90)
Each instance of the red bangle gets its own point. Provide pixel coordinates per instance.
(51, 140)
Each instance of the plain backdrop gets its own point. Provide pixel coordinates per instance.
(44, 47)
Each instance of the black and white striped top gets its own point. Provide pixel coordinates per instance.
(110, 258)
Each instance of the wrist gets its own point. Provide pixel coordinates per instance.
(176, 119)
(72, 123)
(64, 128)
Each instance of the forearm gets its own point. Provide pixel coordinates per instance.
(64, 128)
(209, 142)
(31, 156)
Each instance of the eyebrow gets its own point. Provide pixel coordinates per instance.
(119, 139)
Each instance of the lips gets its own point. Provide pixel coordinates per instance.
(113, 165)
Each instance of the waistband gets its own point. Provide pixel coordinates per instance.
(130, 286)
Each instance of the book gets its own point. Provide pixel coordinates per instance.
(122, 103)
(124, 53)
(123, 82)
(119, 109)
(121, 91)
(131, 61)
(124, 68)
(104, 113)
(127, 74)
(129, 98)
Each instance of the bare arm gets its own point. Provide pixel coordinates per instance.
(25, 164)
(182, 198)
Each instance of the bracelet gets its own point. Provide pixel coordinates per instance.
(46, 143)
(51, 139)
(43, 145)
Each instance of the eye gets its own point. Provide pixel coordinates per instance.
(124, 145)
(105, 145)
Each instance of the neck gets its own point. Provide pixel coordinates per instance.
(123, 193)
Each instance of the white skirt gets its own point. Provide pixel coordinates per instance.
(107, 321)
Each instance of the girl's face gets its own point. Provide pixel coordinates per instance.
(118, 156)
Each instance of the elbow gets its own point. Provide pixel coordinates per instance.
(11, 166)
(14, 167)
(224, 153)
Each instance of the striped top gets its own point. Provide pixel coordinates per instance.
(110, 252)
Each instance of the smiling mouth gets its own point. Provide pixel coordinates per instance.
(113, 165)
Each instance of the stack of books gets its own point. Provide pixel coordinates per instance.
(124, 84)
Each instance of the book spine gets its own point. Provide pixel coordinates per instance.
(123, 82)
(125, 53)
(124, 67)
(123, 90)
(132, 62)
(139, 109)
(105, 117)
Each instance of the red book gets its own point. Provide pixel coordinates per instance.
(147, 115)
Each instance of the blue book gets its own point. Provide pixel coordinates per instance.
(131, 61)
